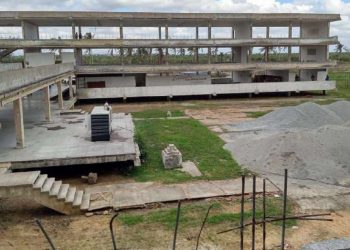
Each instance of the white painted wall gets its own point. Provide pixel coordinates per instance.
(38, 59)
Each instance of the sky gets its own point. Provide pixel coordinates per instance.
(341, 29)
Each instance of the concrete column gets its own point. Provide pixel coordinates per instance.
(47, 103)
(197, 51)
(18, 115)
(160, 33)
(71, 91)
(79, 55)
(160, 49)
(233, 49)
(290, 35)
(73, 30)
(267, 54)
(268, 32)
(209, 48)
(59, 94)
(121, 37)
(30, 31)
(167, 38)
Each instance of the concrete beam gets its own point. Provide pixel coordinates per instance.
(19, 125)
(204, 89)
(47, 103)
(200, 67)
(171, 43)
(144, 19)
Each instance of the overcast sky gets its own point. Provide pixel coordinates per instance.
(342, 28)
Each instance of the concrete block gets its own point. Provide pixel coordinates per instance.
(172, 157)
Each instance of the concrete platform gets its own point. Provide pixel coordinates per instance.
(136, 195)
(65, 141)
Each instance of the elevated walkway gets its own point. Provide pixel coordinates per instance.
(47, 191)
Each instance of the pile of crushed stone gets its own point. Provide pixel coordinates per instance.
(311, 141)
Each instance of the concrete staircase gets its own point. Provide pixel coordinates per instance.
(45, 190)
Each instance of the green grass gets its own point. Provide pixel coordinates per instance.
(157, 113)
(343, 84)
(196, 143)
(191, 215)
(257, 114)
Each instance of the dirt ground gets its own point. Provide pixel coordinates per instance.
(18, 230)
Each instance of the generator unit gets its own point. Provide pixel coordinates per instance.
(101, 123)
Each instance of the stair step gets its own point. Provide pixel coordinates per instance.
(40, 181)
(71, 194)
(55, 188)
(48, 185)
(85, 204)
(78, 198)
(63, 192)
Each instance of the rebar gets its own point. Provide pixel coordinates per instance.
(112, 231)
(177, 223)
(203, 224)
(45, 234)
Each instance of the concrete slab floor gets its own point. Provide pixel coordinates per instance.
(64, 141)
(121, 196)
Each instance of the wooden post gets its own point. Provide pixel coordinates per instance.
(18, 115)
(47, 104)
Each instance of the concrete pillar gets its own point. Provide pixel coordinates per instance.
(30, 31)
(121, 37)
(59, 94)
(47, 103)
(232, 51)
(71, 91)
(73, 30)
(160, 50)
(290, 35)
(197, 50)
(209, 48)
(167, 38)
(267, 54)
(18, 115)
(268, 32)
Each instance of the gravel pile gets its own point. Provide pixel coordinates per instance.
(312, 141)
(307, 115)
(336, 244)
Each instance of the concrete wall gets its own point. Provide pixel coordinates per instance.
(10, 66)
(15, 79)
(242, 31)
(320, 56)
(212, 89)
(38, 59)
(305, 75)
(241, 77)
(67, 57)
(177, 80)
(113, 81)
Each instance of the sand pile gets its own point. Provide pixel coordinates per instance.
(312, 141)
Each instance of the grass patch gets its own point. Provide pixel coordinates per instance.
(196, 142)
(157, 113)
(343, 84)
(257, 114)
(192, 215)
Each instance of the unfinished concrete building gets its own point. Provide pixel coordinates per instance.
(157, 71)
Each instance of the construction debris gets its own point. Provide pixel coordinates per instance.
(91, 178)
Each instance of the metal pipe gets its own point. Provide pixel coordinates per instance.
(242, 214)
(177, 223)
(112, 231)
(203, 224)
(284, 208)
(253, 218)
(264, 214)
(45, 234)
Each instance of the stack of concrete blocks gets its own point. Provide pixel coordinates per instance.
(172, 157)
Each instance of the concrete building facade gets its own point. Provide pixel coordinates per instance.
(303, 66)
